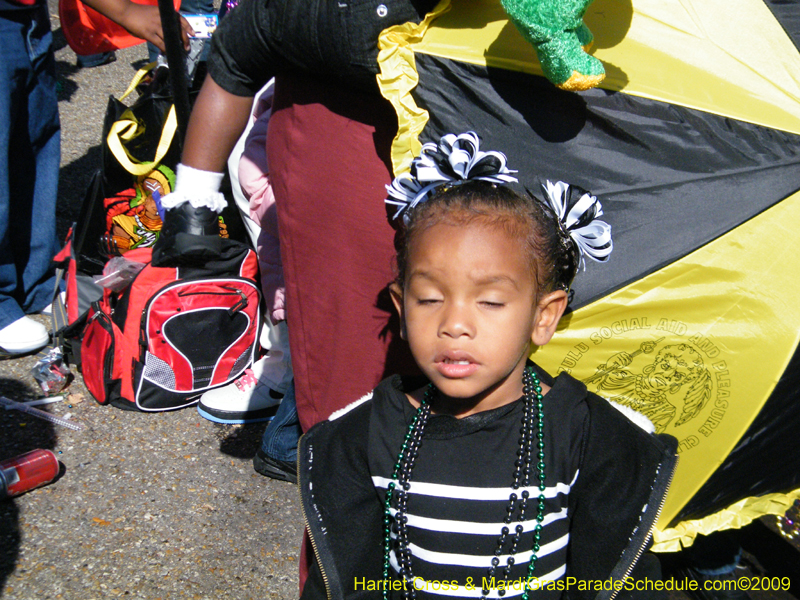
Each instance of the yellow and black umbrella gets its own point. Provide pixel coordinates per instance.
(692, 144)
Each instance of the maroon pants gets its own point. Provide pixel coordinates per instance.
(328, 150)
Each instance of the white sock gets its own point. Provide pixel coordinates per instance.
(199, 188)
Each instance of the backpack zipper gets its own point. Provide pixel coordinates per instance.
(240, 305)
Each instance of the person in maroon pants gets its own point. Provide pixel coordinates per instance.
(336, 242)
(328, 150)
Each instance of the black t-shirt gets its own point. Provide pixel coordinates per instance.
(460, 488)
(332, 39)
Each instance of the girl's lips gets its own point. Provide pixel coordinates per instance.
(456, 370)
(455, 365)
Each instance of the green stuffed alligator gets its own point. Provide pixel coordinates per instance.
(556, 30)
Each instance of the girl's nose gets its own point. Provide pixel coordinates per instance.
(456, 322)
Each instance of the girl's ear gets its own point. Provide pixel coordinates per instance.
(548, 314)
(396, 292)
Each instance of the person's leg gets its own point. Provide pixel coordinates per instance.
(329, 163)
(35, 226)
(13, 59)
(29, 162)
(277, 456)
(282, 434)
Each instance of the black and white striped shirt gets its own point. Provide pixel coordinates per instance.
(459, 495)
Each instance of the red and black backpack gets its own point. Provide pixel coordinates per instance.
(174, 332)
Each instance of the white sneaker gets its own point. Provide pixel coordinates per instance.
(22, 336)
(246, 400)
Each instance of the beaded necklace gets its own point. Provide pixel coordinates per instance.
(532, 427)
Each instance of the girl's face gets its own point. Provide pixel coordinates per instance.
(470, 312)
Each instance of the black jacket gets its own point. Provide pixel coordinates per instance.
(622, 484)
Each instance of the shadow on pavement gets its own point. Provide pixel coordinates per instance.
(243, 442)
(19, 433)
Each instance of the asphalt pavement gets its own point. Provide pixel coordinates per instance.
(163, 505)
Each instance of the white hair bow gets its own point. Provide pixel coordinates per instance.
(455, 159)
(577, 211)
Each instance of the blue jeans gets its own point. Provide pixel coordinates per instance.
(283, 432)
(94, 60)
(30, 152)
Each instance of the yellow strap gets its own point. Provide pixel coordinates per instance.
(735, 516)
(137, 79)
(127, 128)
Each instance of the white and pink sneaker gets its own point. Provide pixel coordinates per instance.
(249, 399)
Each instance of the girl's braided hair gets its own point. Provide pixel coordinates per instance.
(553, 257)
(454, 182)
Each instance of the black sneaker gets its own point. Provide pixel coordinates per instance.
(188, 236)
(282, 470)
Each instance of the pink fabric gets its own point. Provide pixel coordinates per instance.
(329, 155)
(255, 184)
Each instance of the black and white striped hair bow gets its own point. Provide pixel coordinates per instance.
(577, 211)
(455, 159)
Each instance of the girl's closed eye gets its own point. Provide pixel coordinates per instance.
(493, 304)
(428, 301)
(425, 296)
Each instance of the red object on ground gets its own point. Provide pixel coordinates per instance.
(27, 471)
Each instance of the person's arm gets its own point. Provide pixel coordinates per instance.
(139, 20)
(216, 123)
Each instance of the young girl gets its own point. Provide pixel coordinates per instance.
(492, 479)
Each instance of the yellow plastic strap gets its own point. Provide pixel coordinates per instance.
(137, 79)
(128, 127)
(735, 516)
(397, 78)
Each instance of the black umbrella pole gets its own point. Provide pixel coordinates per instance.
(176, 58)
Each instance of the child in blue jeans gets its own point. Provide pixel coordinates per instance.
(266, 391)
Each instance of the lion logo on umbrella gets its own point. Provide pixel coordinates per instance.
(676, 382)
